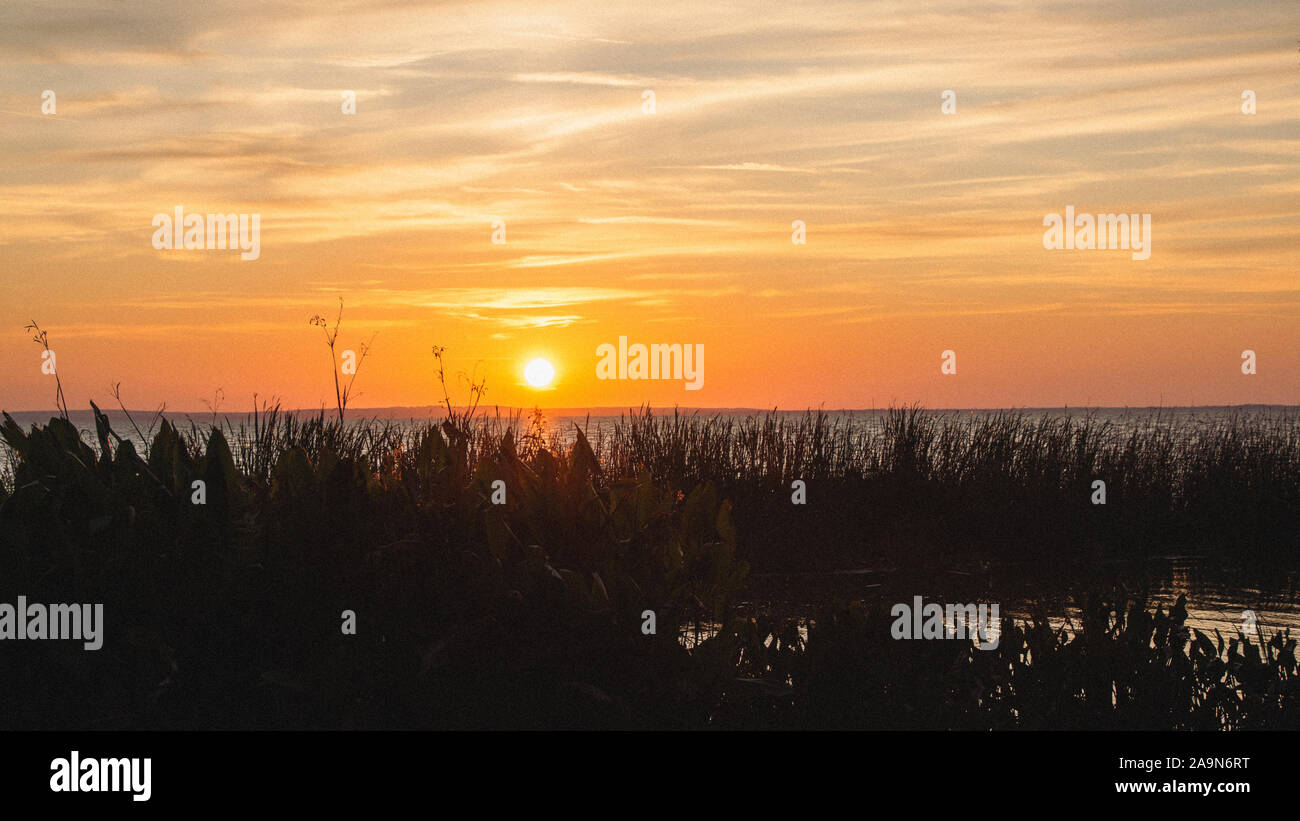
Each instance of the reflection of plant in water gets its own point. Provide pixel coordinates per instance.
(1124, 668)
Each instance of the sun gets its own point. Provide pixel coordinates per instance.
(539, 373)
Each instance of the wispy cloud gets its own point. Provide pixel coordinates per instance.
(531, 114)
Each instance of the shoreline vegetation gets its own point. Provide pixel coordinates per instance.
(531, 613)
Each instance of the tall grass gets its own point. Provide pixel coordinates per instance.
(915, 486)
(1001, 484)
(531, 612)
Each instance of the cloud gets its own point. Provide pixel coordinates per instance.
(517, 298)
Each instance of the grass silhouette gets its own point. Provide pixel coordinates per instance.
(529, 613)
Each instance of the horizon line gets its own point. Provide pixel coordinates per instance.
(427, 411)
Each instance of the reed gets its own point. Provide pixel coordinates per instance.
(530, 613)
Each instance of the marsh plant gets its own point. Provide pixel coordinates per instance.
(49, 364)
(461, 418)
(351, 361)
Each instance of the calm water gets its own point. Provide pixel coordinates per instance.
(564, 423)
(1217, 596)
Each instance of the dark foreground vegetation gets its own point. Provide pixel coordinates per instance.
(531, 613)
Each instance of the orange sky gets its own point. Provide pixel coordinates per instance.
(924, 230)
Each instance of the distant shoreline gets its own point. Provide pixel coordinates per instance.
(438, 412)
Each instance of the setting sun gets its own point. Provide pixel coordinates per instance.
(539, 373)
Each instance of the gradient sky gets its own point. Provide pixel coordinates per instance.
(924, 230)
